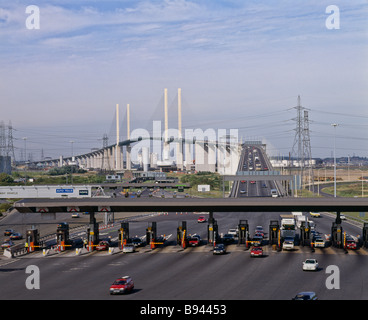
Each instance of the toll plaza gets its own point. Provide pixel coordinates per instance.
(33, 240)
(243, 232)
(151, 234)
(92, 232)
(123, 234)
(212, 230)
(365, 235)
(62, 236)
(337, 239)
(305, 234)
(274, 233)
(181, 234)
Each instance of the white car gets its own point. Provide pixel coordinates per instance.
(319, 242)
(310, 265)
(128, 248)
(233, 232)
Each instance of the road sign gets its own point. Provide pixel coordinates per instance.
(42, 209)
(73, 209)
(104, 208)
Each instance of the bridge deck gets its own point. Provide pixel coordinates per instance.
(260, 204)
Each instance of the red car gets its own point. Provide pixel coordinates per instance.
(122, 285)
(201, 219)
(256, 252)
(351, 244)
(252, 182)
(103, 245)
(194, 241)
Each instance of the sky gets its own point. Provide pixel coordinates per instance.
(240, 65)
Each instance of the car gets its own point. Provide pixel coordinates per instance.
(122, 285)
(319, 242)
(75, 215)
(264, 185)
(259, 234)
(102, 245)
(8, 232)
(342, 217)
(201, 219)
(128, 248)
(243, 191)
(252, 182)
(228, 238)
(63, 225)
(7, 244)
(256, 252)
(234, 232)
(306, 295)
(310, 265)
(242, 181)
(137, 242)
(315, 214)
(351, 243)
(194, 241)
(219, 249)
(16, 236)
(257, 240)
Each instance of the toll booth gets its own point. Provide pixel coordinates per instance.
(243, 232)
(92, 232)
(124, 234)
(62, 236)
(273, 234)
(181, 234)
(365, 235)
(337, 239)
(213, 235)
(33, 240)
(305, 234)
(151, 234)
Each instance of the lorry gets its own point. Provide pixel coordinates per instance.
(299, 220)
(287, 231)
(287, 226)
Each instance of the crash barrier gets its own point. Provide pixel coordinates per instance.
(15, 251)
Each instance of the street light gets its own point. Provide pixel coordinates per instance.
(334, 125)
(71, 163)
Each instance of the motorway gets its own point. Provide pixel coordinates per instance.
(172, 273)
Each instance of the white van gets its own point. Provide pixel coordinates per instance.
(274, 193)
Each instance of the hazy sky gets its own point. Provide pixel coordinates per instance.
(240, 64)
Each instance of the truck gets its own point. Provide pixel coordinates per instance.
(287, 226)
(299, 220)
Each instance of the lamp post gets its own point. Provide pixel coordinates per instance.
(72, 162)
(334, 125)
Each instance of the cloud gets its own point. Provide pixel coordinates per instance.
(226, 55)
